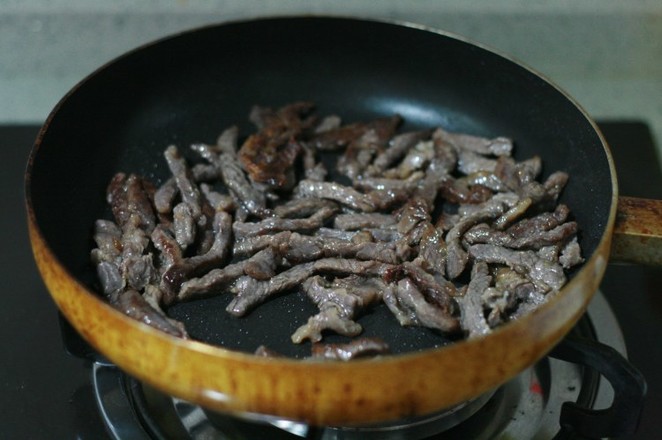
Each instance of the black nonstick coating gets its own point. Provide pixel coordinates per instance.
(189, 88)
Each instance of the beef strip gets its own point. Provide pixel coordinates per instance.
(269, 155)
(188, 190)
(300, 208)
(459, 191)
(499, 146)
(112, 281)
(218, 201)
(361, 150)
(277, 224)
(129, 198)
(357, 348)
(457, 257)
(471, 304)
(183, 269)
(339, 303)
(534, 239)
(247, 246)
(132, 304)
(183, 224)
(245, 195)
(571, 254)
(218, 280)
(436, 289)
(546, 275)
(350, 197)
(417, 158)
(299, 248)
(409, 184)
(165, 196)
(357, 221)
(130, 202)
(250, 292)
(313, 170)
(397, 148)
(410, 307)
(432, 252)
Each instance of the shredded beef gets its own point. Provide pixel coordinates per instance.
(447, 229)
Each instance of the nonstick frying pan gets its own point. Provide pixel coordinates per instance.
(190, 87)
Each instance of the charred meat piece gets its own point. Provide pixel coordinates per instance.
(269, 155)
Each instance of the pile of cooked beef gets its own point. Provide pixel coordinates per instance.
(447, 229)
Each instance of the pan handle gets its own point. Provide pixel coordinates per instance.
(637, 234)
(629, 385)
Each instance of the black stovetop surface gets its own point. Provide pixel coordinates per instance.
(47, 394)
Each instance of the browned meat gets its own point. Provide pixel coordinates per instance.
(188, 190)
(134, 305)
(410, 308)
(500, 146)
(264, 351)
(130, 202)
(457, 257)
(353, 222)
(277, 224)
(245, 195)
(300, 248)
(269, 155)
(300, 208)
(432, 252)
(217, 280)
(359, 347)
(406, 214)
(458, 191)
(360, 152)
(339, 303)
(471, 303)
(250, 292)
(545, 274)
(417, 158)
(398, 147)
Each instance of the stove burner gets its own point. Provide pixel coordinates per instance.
(527, 407)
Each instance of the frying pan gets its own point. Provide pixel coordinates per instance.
(188, 88)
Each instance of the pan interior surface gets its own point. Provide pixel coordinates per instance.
(190, 87)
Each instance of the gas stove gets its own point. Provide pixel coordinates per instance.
(49, 393)
(530, 406)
